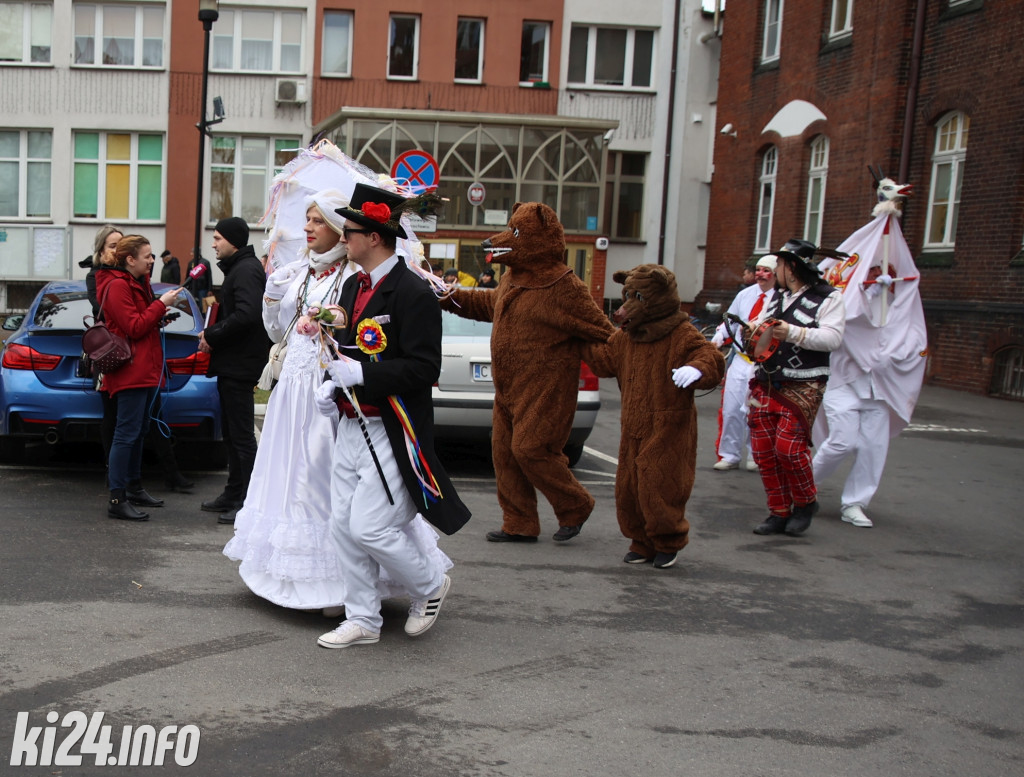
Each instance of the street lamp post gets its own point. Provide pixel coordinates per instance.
(208, 14)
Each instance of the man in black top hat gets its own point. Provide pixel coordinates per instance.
(238, 346)
(787, 387)
(394, 341)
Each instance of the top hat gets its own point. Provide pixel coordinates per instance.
(801, 252)
(376, 209)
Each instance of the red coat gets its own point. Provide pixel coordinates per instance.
(130, 310)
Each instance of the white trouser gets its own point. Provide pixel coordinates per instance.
(369, 530)
(735, 432)
(856, 426)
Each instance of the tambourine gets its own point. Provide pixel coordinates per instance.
(759, 347)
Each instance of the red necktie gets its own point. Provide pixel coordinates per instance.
(756, 310)
(362, 296)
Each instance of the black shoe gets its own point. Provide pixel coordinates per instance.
(227, 518)
(119, 507)
(221, 504)
(566, 533)
(139, 496)
(799, 522)
(664, 560)
(501, 536)
(636, 558)
(178, 482)
(775, 524)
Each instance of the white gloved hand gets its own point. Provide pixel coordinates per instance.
(346, 372)
(884, 280)
(685, 375)
(323, 397)
(280, 279)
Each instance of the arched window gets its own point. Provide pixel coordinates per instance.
(766, 200)
(947, 180)
(1008, 373)
(817, 172)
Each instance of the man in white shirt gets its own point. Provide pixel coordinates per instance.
(747, 305)
(788, 386)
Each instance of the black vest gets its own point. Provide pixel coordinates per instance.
(790, 361)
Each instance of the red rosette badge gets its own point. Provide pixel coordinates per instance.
(370, 337)
(378, 211)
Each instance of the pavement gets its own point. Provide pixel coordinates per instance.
(896, 649)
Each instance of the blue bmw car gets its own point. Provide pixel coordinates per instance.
(44, 394)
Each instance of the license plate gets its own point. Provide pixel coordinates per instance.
(482, 372)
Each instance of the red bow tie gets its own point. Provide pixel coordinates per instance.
(364, 281)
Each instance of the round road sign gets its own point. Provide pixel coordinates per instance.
(476, 193)
(416, 169)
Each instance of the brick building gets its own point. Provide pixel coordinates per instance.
(811, 92)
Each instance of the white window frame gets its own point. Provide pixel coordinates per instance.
(134, 163)
(546, 26)
(345, 70)
(480, 53)
(233, 17)
(766, 200)
(28, 27)
(138, 57)
(817, 175)
(950, 153)
(415, 46)
(770, 47)
(23, 160)
(841, 23)
(628, 56)
(239, 167)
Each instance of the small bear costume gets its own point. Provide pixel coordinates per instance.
(542, 314)
(658, 445)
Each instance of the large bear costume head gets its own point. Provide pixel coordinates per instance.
(533, 246)
(650, 302)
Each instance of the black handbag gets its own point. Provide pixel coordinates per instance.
(106, 351)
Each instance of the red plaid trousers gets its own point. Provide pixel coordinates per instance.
(780, 448)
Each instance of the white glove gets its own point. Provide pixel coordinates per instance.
(685, 375)
(323, 397)
(280, 279)
(346, 372)
(884, 280)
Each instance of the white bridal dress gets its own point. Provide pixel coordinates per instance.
(282, 534)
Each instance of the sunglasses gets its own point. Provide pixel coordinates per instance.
(346, 231)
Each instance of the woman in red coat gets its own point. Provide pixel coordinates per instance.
(130, 310)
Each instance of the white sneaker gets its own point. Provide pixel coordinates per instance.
(346, 634)
(725, 464)
(423, 612)
(333, 612)
(855, 515)
(751, 465)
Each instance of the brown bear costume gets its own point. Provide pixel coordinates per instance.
(542, 313)
(658, 445)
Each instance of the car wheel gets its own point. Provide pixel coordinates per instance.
(574, 452)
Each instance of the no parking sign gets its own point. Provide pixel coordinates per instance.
(417, 170)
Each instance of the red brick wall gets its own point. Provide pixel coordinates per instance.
(862, 89)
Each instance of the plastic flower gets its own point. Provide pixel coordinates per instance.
(331, 315)
(377, 211)
(306, 326)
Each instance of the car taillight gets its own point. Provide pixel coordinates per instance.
(21, 357)
(588, 380)
(195, 364)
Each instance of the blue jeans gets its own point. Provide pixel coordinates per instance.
(125, 463)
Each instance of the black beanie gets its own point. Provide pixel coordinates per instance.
(234, 230)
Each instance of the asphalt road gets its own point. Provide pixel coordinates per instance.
(896, 649)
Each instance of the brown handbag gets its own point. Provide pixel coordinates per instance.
(106, 351)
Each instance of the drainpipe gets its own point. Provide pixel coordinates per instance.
(668, 133)
(912, 85)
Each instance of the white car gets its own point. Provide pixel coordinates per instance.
(464, 394)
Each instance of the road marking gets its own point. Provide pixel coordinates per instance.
(601, 456)
(940, 428)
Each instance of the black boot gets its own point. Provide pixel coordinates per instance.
(137, 495)
(178, 482)
(120, 507)
(774, 524)
(799, 522)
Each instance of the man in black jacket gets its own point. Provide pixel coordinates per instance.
(238, 346)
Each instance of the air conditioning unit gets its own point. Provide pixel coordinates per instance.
(290, 90)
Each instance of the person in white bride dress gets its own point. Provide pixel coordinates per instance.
(282, 537)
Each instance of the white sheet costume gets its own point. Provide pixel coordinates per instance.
(282, 534)
(878, 370)
(735, 432)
